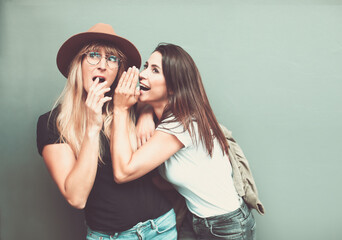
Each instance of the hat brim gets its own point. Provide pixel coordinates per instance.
(74, 44)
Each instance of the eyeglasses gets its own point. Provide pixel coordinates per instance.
(94, 58)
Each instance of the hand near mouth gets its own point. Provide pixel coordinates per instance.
(100, 79)
(95, 100)
(127, 93)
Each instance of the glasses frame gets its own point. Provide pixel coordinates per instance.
(106, 57)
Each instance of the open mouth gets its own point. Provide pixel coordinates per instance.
(144, 88)
(101, 79)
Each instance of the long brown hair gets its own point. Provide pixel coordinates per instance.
(188, 101)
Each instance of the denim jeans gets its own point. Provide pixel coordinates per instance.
(239, 224)
(163, 227)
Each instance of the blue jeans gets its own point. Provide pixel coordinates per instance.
(239, 224)
(163, 227)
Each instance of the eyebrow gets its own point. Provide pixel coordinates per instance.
(153, 65)
(97, 49)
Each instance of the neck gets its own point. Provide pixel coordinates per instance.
(159, 109)
(158, 112)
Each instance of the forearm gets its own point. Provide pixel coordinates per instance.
(121, 149)
(80, 180)
(143, 108)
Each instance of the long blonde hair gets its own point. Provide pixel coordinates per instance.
(71, 119)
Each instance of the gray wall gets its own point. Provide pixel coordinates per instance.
(272, 71)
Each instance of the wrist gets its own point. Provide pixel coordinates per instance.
(92, 132)
(120, 110)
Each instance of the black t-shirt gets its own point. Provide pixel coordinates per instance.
(110, 207)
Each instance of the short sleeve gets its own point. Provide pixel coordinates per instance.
(47, 132)
(176, 129)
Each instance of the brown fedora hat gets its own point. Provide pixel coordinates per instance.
(99, 32)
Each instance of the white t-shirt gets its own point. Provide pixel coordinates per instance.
(205, 182)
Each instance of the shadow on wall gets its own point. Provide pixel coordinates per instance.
(62, 220)
(35, 208)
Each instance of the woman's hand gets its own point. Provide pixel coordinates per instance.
(127, 92)
(94, 103)
(145, 125)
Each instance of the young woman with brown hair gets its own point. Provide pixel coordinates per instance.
(188, 145)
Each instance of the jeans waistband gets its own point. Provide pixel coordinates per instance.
(243, 208)
(149, 223)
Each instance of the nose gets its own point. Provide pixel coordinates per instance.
(142, 74)
(103, 63)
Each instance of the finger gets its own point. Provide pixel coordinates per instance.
(102, 101)
(126, 79)
(94, 84)
(138, 142)
(123, 75)
(102, 91)
(97, 93)
(137, 92)
(131, 78)
(148, 136)
(100, 86)
(143, 141)
(90, 95)
(135, 79)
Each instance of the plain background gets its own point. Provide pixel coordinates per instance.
(272, 71)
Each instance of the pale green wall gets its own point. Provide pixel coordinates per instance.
(273, 74)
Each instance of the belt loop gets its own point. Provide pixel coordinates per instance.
(206, 222)
(153, 224)
(113, 236)
(244, 209)
(139, 236)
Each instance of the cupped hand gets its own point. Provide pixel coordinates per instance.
(94, 103)
(127, 93)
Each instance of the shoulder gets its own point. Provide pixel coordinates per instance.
(172, 126)
(47, 122)
(47, 131)
(48, 117)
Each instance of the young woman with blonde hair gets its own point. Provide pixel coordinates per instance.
(188, 145)
(74, 140)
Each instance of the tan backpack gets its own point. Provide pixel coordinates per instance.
(242, 175)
